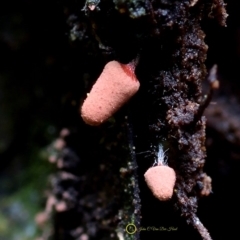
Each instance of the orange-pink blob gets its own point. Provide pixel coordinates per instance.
(114, 87)
(161, 180)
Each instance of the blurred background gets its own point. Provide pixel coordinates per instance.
(38, 90)
(31, 90)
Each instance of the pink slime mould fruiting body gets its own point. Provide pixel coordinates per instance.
(161, 180)
(114, 87)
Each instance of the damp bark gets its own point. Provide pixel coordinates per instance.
(168, 39)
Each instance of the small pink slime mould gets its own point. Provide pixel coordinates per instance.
(161, 178)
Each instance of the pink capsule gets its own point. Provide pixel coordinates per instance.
(161, 180)
(114, 87)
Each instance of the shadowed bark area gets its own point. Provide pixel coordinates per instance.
(168, 40)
